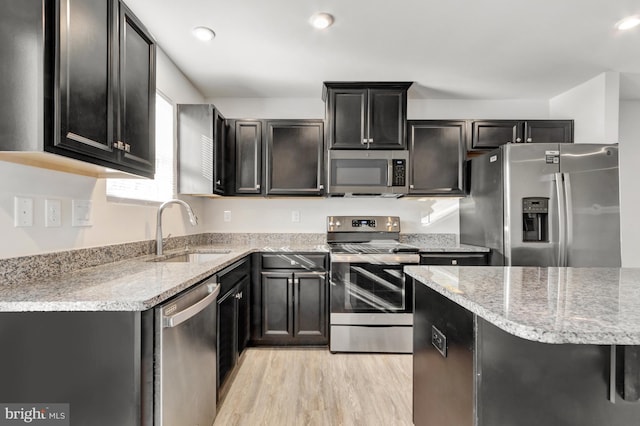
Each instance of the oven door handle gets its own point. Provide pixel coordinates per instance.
(381, 259)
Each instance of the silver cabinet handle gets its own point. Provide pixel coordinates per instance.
(180, 317)
(296, 281)
(529, 139)
(320, 186)
(239, 295)
(412, 186)
(257, 186)
(218, 182)
(518, 140)
(127, 147)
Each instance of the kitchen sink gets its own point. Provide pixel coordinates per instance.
(192, 257)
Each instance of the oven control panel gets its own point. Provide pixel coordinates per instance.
(363, 224)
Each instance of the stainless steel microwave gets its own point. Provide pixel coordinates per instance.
(368, 173)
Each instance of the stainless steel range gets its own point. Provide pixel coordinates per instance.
(371, 303)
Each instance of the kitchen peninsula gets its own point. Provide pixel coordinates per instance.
(526, 345)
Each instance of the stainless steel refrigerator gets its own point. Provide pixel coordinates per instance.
(545, 205)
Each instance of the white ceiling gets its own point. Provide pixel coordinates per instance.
(450, 49)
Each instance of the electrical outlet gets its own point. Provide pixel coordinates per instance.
(227, 216)
(295, 216)
(52, 213)
(22, 211)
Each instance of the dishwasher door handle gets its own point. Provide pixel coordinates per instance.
(180, 317)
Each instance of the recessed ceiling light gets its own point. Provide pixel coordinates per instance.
(203, 33)
(321, 20)
(628, 22)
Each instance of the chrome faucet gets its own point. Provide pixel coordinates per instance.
(192, 218)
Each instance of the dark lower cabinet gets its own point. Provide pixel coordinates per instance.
(290, 301)
(455, 259)
(443, 357)
(233, 319)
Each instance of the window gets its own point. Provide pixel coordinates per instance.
(162, 187)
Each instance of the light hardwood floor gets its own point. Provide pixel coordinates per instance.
(297, 386)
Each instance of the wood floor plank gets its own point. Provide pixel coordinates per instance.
(300, 386)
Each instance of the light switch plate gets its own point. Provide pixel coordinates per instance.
(81, 213)
(22, 212)
(295, 216)
(227, 216)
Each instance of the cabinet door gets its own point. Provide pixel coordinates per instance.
(87, 66)
(227, 335)
(310, 313)
(137, 86)
(195, 148)
(243, 314)
(491, 134)
(386, 113)
(248, 157)
(347, 121)
(277, 305)
(436, 155)
(219, 152)
(294, 157)
(543, 131)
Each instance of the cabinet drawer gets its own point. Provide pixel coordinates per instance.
(230, 276)
(461, 259)
(294, 261)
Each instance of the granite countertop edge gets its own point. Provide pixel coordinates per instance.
(108, 287)
(610, 336)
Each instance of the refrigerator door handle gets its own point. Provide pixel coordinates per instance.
(568, 209)
(562, 219)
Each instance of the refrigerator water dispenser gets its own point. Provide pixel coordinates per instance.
(535, 223)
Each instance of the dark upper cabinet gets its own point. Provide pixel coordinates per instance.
(490, 134)
(542, 131)
(219, 153)
(295, 154)
(275, 157)
(136, 94)
(245, 163)
(86, 39)
(437, 150)
(103, 86)
(201, 148)
(366, 115)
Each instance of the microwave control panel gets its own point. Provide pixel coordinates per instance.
(399, 177)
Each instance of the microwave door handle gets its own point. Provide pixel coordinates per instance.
(390, 173)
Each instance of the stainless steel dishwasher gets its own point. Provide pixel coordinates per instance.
(185, 370)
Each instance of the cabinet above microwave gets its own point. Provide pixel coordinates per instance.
(366, 115)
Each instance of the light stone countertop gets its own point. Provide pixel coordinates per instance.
(459, 248)
(551, 305)
(136, 284)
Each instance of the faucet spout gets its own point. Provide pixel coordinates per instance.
(192, 218)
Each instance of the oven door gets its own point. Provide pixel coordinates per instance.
(370, 284)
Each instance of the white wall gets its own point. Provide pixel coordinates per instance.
(275, 215)
(112, 222)
(594, 107)
(629, 178)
